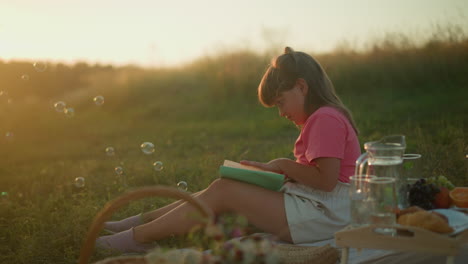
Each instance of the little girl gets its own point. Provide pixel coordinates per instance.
(312, 205)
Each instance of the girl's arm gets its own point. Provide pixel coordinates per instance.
(323, 176)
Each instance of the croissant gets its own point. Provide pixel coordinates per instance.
(428, 220)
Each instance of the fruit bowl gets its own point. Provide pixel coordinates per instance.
(459, 197)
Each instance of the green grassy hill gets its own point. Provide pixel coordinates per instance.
(196, 115)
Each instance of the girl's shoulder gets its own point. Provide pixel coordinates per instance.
(328, 111)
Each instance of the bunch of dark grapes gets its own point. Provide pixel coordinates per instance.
(422, 194)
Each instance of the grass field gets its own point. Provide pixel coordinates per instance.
(196, 116)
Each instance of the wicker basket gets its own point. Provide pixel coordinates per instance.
(114, 205)
(288, 254)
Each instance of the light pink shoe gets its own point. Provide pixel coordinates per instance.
(123, 242)
(124, 224)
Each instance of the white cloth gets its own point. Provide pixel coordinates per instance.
(315, 215)
(377, 256)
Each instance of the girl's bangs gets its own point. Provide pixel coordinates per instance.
(268, 89)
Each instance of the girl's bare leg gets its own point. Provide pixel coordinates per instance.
(136, 220)
(263, 208)
(150, 216)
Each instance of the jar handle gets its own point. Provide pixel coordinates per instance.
(360, 163)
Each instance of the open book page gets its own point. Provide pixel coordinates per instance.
(233, 164)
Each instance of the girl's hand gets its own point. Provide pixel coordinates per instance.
(273, 165)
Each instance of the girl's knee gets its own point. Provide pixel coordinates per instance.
(221, 188)
(213, 195)
(217, 186)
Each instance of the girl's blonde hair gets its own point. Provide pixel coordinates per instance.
(283, 73)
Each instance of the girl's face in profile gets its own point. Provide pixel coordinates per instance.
(291, 104)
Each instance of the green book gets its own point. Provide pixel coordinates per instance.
(253, 175)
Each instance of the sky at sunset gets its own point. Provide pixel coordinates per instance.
(160, 33)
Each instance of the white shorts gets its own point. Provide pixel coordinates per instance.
(315, 215)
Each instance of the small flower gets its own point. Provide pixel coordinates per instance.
(215, 232)
(228, 246)
(237, 232)
(239, 255)
(257, 238)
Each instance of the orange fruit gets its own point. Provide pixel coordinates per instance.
(459, 197)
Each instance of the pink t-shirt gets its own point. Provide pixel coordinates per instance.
(328, 133)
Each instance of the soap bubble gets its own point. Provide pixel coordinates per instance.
(69, 112)
(158, 166)
(79, 182)
(25, 77)
(110, 151)
(40, 66)
(119, 170)
(182, 186)
(10, 101)
(4, 195)
(9, 135)
(98, 100)
(3, 92)
(147, 148)
(60, 106)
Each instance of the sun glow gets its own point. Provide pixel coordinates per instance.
(153, 33)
